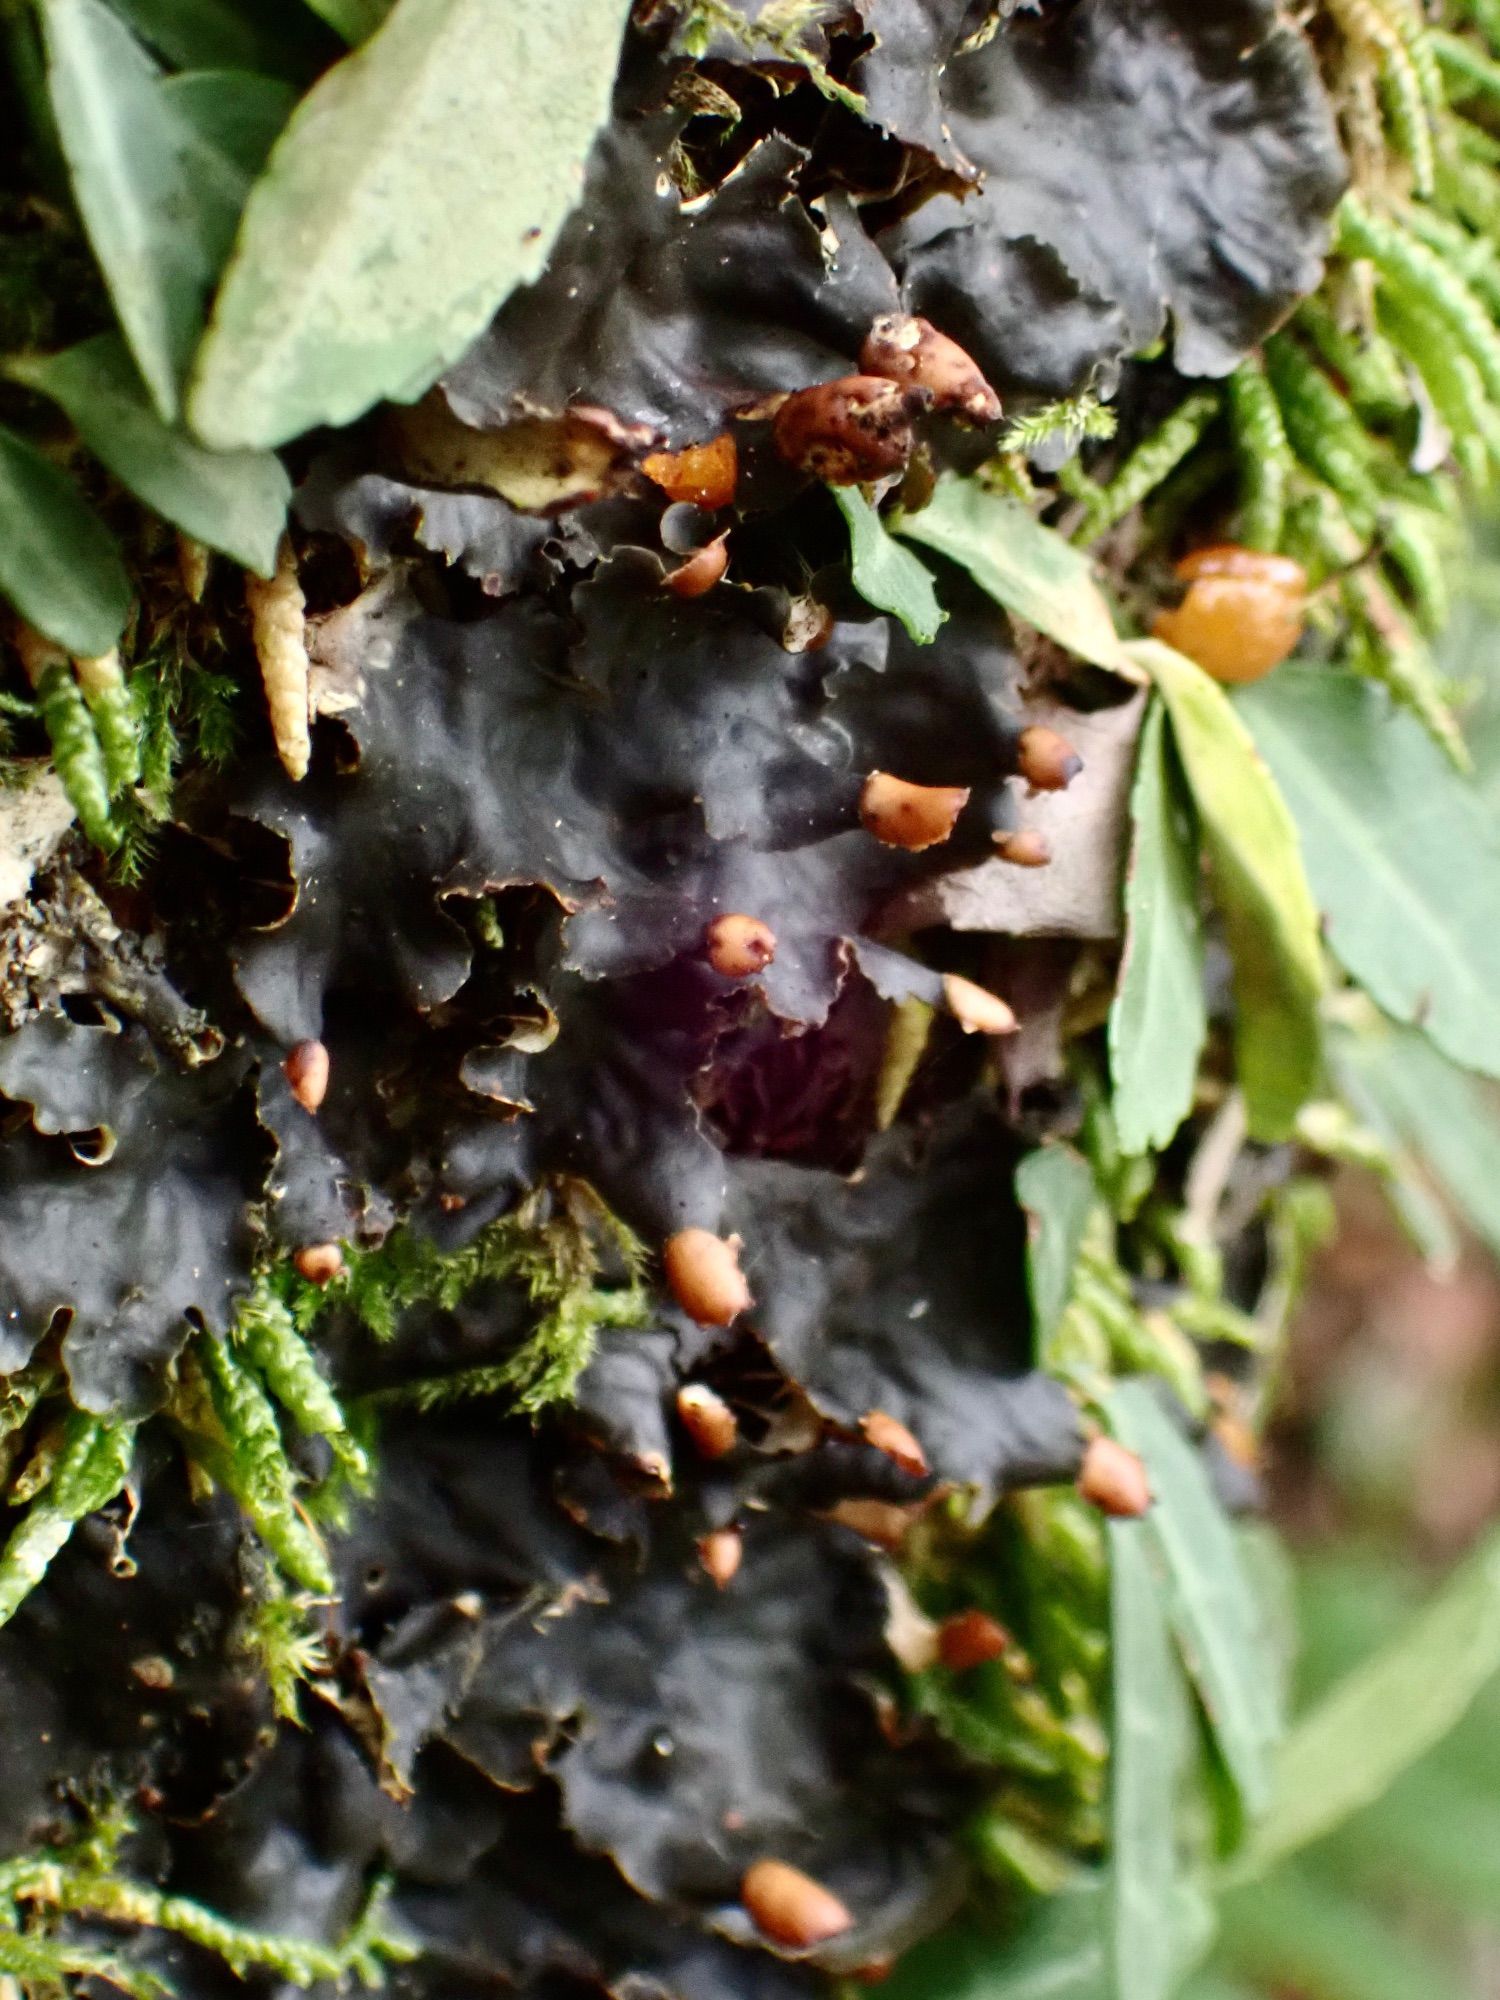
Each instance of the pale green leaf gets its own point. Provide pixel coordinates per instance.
(1419, 1101)
(419, 181)
(1026, 567)
(1402, 852)
(1301, 1935)
(233, 501)
(1269, 916)
(158, 198)
(58, 564)
(1382, 1716)
(1151, 1736)
(885, 574)
(1056, 1188)
(1158, 1021)
(355, 20)
(1212, 1606)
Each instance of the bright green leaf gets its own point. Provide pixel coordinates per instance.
(1270, 919)
(1158, 1022)
(355, 20)
(158, 199)
(1381, 1717)
(885, 574)
(1402, 852)
(234, 501)
(1029, 569)
(1056, 1188)
(58, 564)
(419, 181)
(1212, 1606)
(1151, 1736)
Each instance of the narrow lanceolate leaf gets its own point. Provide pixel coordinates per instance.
(1151, 1733)
(1306, 1934)
(886, 574)
(1420, 1102)
(1056, 1188)
(1270, 918)
(1402, 852)
(59, 566)
(1029, 569)
(234, 501)
(420, 181)
(159, 200)
(1158, 1021)
(1385, 1714)
(1211, 1604)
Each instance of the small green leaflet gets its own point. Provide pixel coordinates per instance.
(885, 574)
(1402, 852)
(159, 198)
(1152, 1741)
(1385, 1714)
(419, 181)
(237, 117)
(1056, 1952)
(232, 501)
(274, 37)
(1212, 1607)
(58, 563)
(1270, 919)
(355, 20)
(1158, 1022)
(1056, 1188)
(1029, 569)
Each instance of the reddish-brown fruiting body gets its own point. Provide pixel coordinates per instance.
(705, 475)
(1048, 762)
(739, 946)
(704, 1273)
(319, 1263)
(874, 1971)
(702, 569)
(911, 816)
(1023, 847)
(790, 1907)
(707, 1419)
(720, 1553)
(306, 1070)
(1114, 1479)
(977, 1011)
(968, 1639)
(896, 1441)
(1242, 613)
(906, 349)
(883, 1522)
(1237, 1439)
(855, 429)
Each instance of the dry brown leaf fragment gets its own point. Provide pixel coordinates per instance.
(279, 627)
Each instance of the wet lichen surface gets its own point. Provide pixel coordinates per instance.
(511, 1270)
